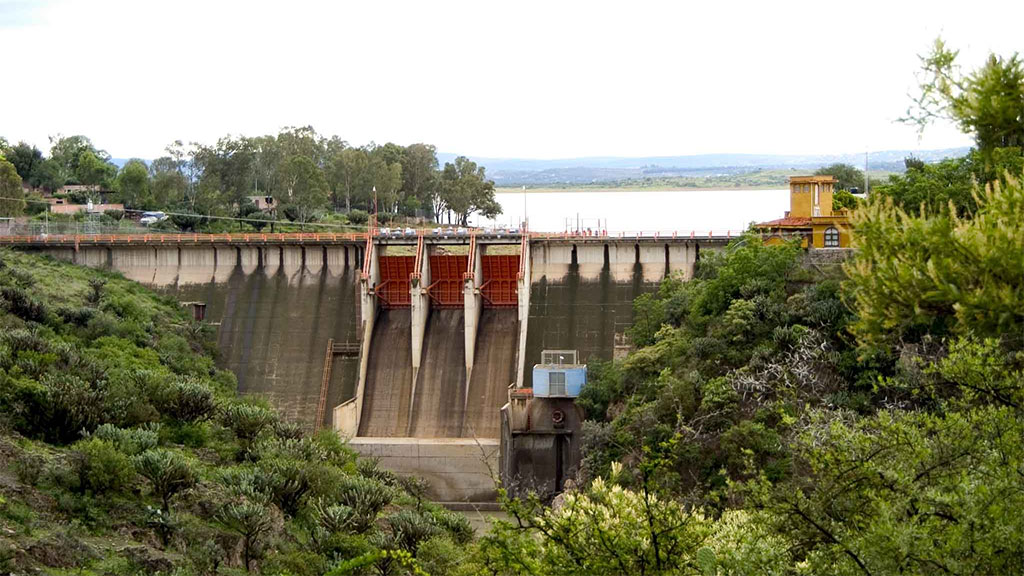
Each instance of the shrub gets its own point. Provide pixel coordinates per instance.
(72, 406)
(168, 472)
(77, 316)
(358, 217)
(188, 400)
(28, 467)
(247, 421)
(99, 468)
(96, 286)
(331, 519)
(20, 303)
(286, 481)
(409, 528)
(365, 497)
(289, 430)
(457, 525)
(251, 519)
(129, 441)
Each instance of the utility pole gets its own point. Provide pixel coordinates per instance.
(866, 181)
(523, 226)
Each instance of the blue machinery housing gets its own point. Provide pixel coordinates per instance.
(555, 381)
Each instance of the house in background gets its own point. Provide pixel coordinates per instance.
(263, 203)
(63, 206)
(810, 216)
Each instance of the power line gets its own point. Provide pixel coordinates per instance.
(212, 217)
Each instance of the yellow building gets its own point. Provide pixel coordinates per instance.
(810, 215)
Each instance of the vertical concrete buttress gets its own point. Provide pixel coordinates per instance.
(473, 303)
(368, 314)
(419, 308)
(681, 259)
(524, 283)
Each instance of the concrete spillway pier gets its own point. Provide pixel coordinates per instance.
(442, 327)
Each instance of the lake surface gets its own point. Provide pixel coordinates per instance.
(641, 210)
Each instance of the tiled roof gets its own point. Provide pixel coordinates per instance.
(786, 222)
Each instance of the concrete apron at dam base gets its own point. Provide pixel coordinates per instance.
(457, 469)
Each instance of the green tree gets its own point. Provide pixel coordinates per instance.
(987, 103)
(302, 141)
(604, 529)
(12, 196)
(92, 170)
(167, 181)
(917, 275)
(465, 189)
(99, 468)
(227, 167)
(250, 517)
(419, 171)
(67, 152)
(350, 177)
(950, 184)
(905, 493)
(133, 186)
(168, 472)
(306, 189)
(387, 180)
(247, 421)
(847, 176)
(844, 200)
(26, 159)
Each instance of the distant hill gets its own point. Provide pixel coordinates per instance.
(590, 170)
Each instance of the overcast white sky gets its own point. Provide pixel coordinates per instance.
(501, 79)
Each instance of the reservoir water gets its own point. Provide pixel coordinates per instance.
(641, 210)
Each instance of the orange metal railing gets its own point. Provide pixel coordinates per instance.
(148, 239)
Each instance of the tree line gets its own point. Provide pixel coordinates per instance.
(308, 175)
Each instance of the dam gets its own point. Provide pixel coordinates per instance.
(408, 346)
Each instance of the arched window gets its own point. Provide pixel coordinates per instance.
(831, 237)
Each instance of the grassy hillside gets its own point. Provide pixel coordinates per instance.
(124, 450)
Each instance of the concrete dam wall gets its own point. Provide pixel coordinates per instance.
(581, 295)
(274, 308)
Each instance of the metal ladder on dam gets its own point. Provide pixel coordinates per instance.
(347, 349)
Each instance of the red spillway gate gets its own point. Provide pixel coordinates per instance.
(446, 271)
(500, 289)
(393, 290)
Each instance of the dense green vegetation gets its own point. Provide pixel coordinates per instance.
(124, 450)
(309, 176)
(787, 416)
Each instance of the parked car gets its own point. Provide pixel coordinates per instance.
(152, 218)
